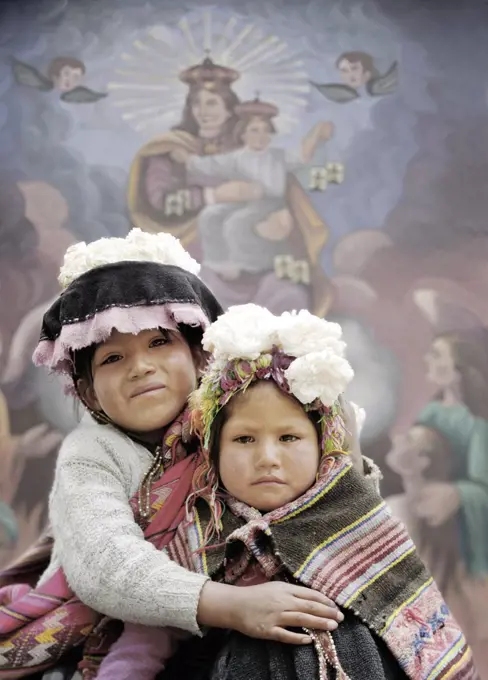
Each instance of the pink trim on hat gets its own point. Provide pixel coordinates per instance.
(56, 355)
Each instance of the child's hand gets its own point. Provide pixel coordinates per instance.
(267, 611)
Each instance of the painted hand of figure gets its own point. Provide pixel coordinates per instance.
(238, 192)
(405, 458)
(277, 227)
(181, 156)
(325, 130)
(29, 528)
(437, 503)
(38, 441)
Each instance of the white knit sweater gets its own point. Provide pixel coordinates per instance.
(106, 560)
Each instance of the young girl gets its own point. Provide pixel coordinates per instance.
(126, 334)
(277, 500)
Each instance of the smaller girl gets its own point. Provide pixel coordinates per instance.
(276, 498)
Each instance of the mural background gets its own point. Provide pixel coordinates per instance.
(382, 225)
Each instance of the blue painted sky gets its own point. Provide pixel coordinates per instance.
(86, 150)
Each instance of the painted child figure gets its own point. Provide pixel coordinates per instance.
(235, 234)
(126, 334)
(276, 499)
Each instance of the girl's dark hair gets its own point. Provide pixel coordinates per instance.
(223, 415)
(81, 360)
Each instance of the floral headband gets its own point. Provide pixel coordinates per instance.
(302, 354)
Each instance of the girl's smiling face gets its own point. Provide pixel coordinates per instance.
(141, 382)
(269, 448)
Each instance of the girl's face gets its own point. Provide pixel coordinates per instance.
(143, 381)
(269, 449)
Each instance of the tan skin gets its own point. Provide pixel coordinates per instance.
(269, 448)
(269, 434)
(123, 368)
(141, 382)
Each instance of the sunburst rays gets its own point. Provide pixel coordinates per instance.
(146, 86)
(188, 35)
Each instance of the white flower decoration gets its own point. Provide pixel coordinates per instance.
(243, 332)
(137, 246)
(301, 333)
(360, 415)
(163, 248)
(320, 370)
(320, 375)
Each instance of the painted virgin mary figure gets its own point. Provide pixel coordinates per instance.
(164, 196)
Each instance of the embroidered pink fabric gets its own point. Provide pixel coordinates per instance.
(56, 355)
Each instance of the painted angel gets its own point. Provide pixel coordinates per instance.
(64, 74)
(359, 73)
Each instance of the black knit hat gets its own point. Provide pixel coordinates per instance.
(128, 296)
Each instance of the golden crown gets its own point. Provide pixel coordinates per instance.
(209, 75)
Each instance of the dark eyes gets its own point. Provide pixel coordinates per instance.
(111, 359)
(244, 440)
(249, 440)
(159, 341)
